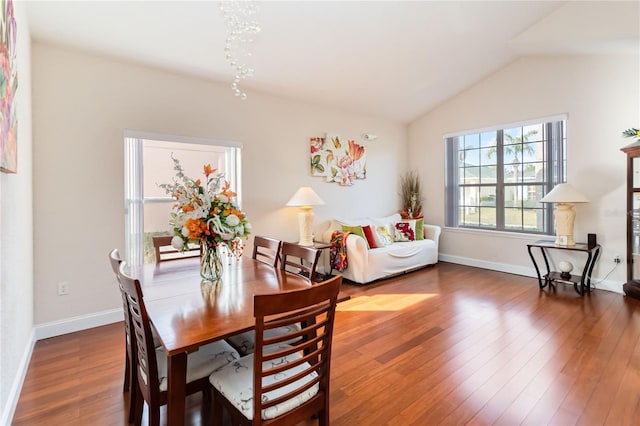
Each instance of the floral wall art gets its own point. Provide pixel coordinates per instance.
(8, 87)
(338, 160)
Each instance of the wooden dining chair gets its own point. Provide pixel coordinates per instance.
(166, 252)
(299, 259)
(283, 384)
(129, 373)
(151, 362)
(295, 259)
(130, 377)
(266, 250)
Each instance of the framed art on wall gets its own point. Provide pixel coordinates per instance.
(8, 88)
(336, 160)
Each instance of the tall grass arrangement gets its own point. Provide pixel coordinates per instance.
(411, 194)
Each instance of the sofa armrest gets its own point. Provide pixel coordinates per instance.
(356, 244)
(432, 232)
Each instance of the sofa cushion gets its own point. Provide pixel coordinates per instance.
(404, 231)
(418, 227)
(368, 233)
(355, 230)
(383, 235)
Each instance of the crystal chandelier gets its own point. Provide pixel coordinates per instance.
(240, 19)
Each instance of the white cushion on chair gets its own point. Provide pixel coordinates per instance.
(245, 342)
(235, 382)
(201, 363)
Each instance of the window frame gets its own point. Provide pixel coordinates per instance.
(554, 140)
(134, 199)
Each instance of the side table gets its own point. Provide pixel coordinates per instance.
(580, 282)
(322, 246)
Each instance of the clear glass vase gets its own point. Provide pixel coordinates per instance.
(210, 263)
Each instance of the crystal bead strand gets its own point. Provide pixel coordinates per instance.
(240, 19)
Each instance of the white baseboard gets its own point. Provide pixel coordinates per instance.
(608, 285)
(14, 393)
(82, 322)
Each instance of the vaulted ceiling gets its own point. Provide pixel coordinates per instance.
(391, 59)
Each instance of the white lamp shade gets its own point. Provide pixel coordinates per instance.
(564, 193)
(305, 196)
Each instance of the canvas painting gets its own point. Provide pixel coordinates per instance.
(8, 87)
(338, 160)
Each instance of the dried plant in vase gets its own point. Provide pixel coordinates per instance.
(411, 193)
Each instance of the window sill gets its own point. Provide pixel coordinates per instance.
(500, 234)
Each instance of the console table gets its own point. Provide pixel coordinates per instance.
(580, 282)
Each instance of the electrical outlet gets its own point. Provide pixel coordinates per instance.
(617, 259)
(63, 288)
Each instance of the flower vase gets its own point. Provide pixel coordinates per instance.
(210, 263)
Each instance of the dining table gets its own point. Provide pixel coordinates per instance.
(188, 312)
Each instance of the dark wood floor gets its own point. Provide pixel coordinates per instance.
(444, 345)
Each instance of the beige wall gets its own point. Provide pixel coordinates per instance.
(83, 104)
(600, 94)
(16, 243)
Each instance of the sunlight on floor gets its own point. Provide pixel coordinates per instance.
(383, 302)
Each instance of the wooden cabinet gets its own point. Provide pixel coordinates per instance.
(632, 286)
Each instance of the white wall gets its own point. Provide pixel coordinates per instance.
(82, 105)
(16, 243)
(600, 96)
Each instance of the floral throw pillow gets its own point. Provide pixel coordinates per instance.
(418, 227)
(404, 232)
(383, 236)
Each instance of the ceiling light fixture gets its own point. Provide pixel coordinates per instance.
(240, 19)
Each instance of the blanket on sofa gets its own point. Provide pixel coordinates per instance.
(338, 254)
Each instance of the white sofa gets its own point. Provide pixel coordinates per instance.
(365, 265)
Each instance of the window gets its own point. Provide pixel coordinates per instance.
(147, 164)
(496, 177)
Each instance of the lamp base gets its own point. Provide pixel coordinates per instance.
(305, 222)
(564, 216)
(564, 240)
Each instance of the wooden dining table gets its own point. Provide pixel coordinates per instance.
(187, 312)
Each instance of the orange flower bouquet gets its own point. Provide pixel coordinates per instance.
(206, 214)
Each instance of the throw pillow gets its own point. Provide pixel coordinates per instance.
(368, 232)
(418, 227)
(404, 232)
(355, 230)
(383, 235)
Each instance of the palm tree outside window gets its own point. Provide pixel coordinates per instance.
(496, 177)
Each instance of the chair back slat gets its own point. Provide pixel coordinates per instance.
(299, 259)
(307, 352)
(116, 260)
(166, 252)
(266, 250)
(148, 380)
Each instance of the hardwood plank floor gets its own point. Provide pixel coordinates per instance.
(448, 344)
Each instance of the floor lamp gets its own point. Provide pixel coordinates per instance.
(305, 198)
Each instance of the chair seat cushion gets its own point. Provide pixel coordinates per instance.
(235, 382)
(245, 342)
(201, 363)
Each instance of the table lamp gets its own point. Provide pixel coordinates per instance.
(305, 197)
(564, 196)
